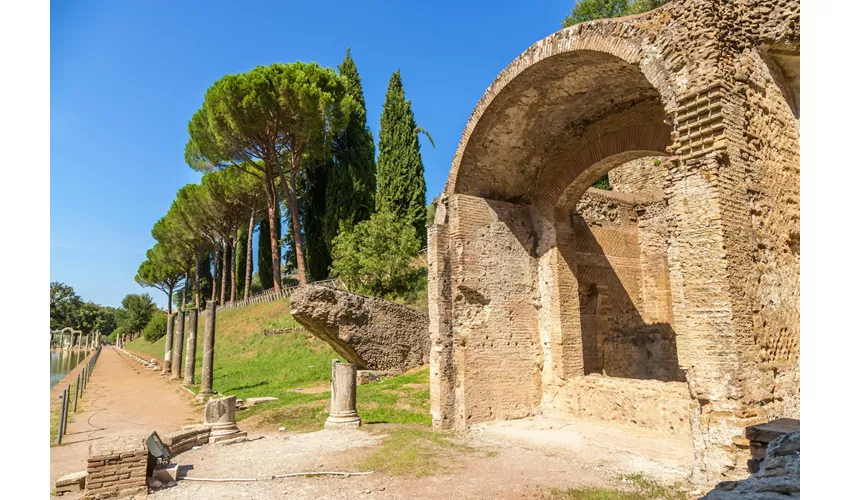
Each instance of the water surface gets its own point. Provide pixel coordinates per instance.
(61, 362)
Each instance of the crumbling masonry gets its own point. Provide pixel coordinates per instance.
(671, 302)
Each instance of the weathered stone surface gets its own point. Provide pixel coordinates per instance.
(75, 481)
(372, 333)
(778, 478)
(220, 415)
(343, 396)
(256, 401)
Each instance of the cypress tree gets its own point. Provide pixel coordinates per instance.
(350, 194)
(401, 174)
(264, 254)
(241, 258)
(314, 210)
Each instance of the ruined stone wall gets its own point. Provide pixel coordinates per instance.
(639, 176)
(494, 310)
(727, 291)
(621, 267)
(648, 404)
(773, 188)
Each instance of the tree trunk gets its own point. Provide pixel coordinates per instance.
(170, 295)
(292, 197)
(196, 285)
(249, 262)
(214, 273)
(272, 206)
(233, 265)
(225, 267)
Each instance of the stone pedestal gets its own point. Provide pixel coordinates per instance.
(220, 416)
(177, 348)
(343, 396)
(191, 344)
(209, 351)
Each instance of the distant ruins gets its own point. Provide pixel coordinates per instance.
(671, 302)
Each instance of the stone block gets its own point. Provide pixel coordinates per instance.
(256, 401)
(76, 481)
(167, 474)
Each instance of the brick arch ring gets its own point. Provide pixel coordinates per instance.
(609, 36)
(585, 165)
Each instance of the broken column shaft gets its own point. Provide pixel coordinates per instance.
(169, 340)
(343, 396)
(191, 344)
(177, 348)
(209, 351)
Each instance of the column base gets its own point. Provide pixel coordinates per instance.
(226, 433)
(343, 422)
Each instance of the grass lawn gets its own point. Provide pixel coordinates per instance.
(249, 364)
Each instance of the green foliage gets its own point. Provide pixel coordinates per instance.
(280, 114)
(374, 256)
(603, 183)
(350, 193)
(64, 306)
(256, 285)
(156, 327)
(401, 174)
(161, 270)
(136, 310)
(67, 309)
(588, 10)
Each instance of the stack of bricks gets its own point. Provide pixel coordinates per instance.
(186, 439)
(117, 468)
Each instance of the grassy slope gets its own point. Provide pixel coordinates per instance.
(249, 364)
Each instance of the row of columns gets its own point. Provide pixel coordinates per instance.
(182, 332)
(123, 339)
(74, 339)
(184, 325)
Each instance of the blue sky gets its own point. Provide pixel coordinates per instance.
(125, 77)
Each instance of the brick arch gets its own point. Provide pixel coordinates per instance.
(609, 37)
(584, 166)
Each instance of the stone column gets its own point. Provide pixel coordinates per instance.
(177, 351)
(169, 339)
(220, 415)
(343, 396)
(209, 351)
(191, 344)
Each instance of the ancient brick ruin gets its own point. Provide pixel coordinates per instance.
(671, 302)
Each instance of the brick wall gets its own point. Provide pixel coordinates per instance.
(117, 468)
(496, 343)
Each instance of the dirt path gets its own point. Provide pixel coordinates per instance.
(121, 398)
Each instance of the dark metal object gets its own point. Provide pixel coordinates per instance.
(157, 448)
(157, 452)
